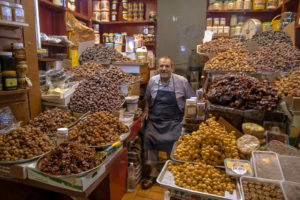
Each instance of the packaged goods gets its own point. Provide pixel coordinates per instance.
(201, 110)
(233, 20)
(239, 4)
(49, 121)
(266, 165)
(290, 166)
(247, 4)
(226, 31)
(237, 168)
(22, 84)
(118, 47)
(210, 144)
(254, 129)
(9, 79)
(23, 143)
(247, 143)
(216, 21)
(259, 4)
(69, 158)
(99, 54)
(104, 16)
(114, 15)
(271, 37)
(104, 5)
(271, 4)
(132, 103)
(190, 108)
(276, 136)
(282, 148)
(97, 38)
(256, 188)
(125, 15)
(6, 12)
(202, 177)
(114, 5)
(100, 128)
(220, 45)
(229, 61)
(124, 5)
(291, 190)
(230, 89)
(209, 22)
(7, 119)
(97, 15)
(17, 12)
(96, 28)
(289, 86)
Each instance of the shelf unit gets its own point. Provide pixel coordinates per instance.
(12, 24)
(49, 59)
(12, 92)
(53, 44)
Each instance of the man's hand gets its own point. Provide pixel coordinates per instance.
(146, 114)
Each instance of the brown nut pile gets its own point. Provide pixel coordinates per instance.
(69, 158)
(125, 59)
(97, 129)
(50, 120)
(256, 190)
(283, 149)
(202, 178)
(276, 57)
(23, 143)
(85, 70)
(229, 61)
(99, 54)
(271, 37)
(210, 144)
(242, 92)
(222, 44)
(289, 86)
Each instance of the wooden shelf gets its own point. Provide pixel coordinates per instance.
(245, 11)
(51, 5)
(126, 22)
(79, 15)
(13, 24)
(18, 91)
(49, 59)
(53, 44)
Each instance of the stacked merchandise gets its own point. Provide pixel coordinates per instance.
(135, 157)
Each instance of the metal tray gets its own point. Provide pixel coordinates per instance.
(182, 161)
(166, 179)
(22, 161)
(71, 175)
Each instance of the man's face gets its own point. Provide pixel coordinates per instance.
(165, 68)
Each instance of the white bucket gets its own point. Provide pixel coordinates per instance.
(132, 103)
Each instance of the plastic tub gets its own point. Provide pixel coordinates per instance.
(291, 190)
(266, 165)
(290, 166)
(132, 103)
(282, 149)
(250, 192)
(238, 168)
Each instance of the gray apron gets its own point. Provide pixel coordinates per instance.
(163, 126)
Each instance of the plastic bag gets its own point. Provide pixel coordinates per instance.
(7, 120)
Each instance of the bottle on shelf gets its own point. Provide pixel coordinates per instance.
(131, 179)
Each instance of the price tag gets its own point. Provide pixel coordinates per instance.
(28, 81)
(208, 36)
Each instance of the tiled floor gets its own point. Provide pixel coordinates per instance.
(154, 193)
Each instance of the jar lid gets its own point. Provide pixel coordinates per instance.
(5, 3)
(16, 5)
(8, 73)
(62, 130)
(17, 45)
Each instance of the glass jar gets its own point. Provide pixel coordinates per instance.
(135, 16)
(190, 108)
(226, 31)
(61, 135)
(114, 16)
(22, 83)
(247, 4)
(135, 7)
(114, 5)
(141, 15)
(124, 5)
(6, 11)
(216, 22)
(125, 15)
(150, 29)
(239, 4)
(130, 8)
(209, 22)
(111, 37)
(271, 4)
(232, 31)
(18, 51)
(218, 5)
(130, 16)
(259, 4)
(222, 21)
(17, 12)
(238, 30)
(21, 69)
(231, 4)
(9, 80)
(233, 20)
(141, 7)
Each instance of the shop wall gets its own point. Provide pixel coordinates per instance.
(181, 26)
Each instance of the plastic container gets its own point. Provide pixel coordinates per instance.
(276, 136)
(266, 165)
(141, 54)
(131, 179)
(277, 127)
(290, 166)
(291, 190)
(283, 149)
(266, 26)
(254, 180)
(238, 168)
(6, 11)
(17, 12)
(61, 135)
(190, 108)
(127, 119)
(132, 103)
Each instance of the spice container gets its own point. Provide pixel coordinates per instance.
(114, 5)
(124, 15)
(61, 135)
(135, 15)
(141, 6)
(104, 16)
(22, 83)
(130, 8)
(266, 165)
(105, 38)
(220, 31)
(114, 16)
(238, 168)
(209, 22)
(6, 12)
(104, 5)
(290, 166)
(216, 22)
(233, 20)
(231, 4)
(17, 12)
(9, 80)
(21, 69)
(291, 190)
(18, 51)
(130, 16)
(222, 21)
(225, 4)
(190, 108)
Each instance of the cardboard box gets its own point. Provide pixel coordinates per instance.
(15, 171)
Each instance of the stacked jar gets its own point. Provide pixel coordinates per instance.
(104, 11)
(114, 10)
(96, 10)
(21, 68)
(124, 10)
(130, 11)
(96, 28)
(9, 74)
(17, 12)
(141, 11)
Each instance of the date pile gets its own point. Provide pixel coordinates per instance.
(276, 57)
(242, 92)
(101, 92)
(99, 54)
(85, 70)
(271, 37)
(69, 158)
(229, 61)
(50, 120)
(222, 44)
(23, 143)
(210, 144)
(97, 129)
(289, 86)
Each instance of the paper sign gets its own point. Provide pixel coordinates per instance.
(208, 36)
